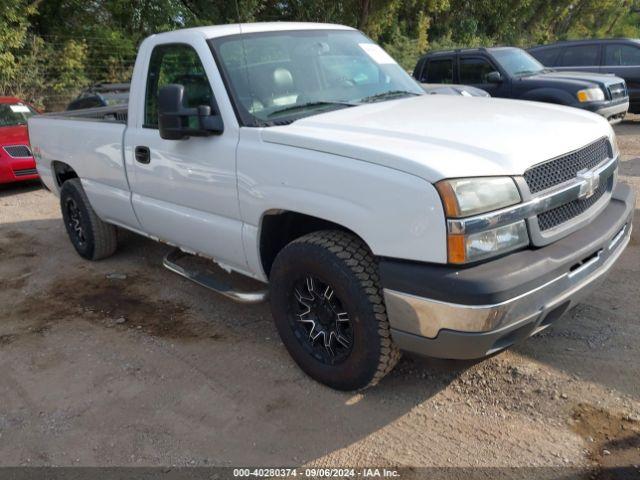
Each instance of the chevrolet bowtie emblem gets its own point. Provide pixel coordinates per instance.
(589, 183)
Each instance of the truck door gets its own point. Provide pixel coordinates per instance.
(474, 70)
(184, 191)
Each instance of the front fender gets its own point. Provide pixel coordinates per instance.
(550, 95)
(397, 214)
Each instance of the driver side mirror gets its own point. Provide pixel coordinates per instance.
(494, 77)
(173, 117)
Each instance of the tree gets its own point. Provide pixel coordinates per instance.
(14, 23)
(51, 49)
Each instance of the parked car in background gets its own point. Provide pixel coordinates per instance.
(462, 90)
(510, 72)
(16, 161)
(101, 95)
(620, 56)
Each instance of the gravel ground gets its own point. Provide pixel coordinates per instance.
(121, 362)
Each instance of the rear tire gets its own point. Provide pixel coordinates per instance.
(92, 238)
(329, 311)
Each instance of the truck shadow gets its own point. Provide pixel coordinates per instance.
(598, 340)
(145, 335)
(216, 371)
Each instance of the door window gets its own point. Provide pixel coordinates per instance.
(474, 70)
(438, 71)
(617, 55)
(580, 56)
(176, 63)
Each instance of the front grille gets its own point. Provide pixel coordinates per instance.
(563, 213)
(24, 172)
(18, 151)
(617, 91)
(559, 170)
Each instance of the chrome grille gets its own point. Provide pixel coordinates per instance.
(18, 151)
(559, 170)
(617, 91)
(563, 213)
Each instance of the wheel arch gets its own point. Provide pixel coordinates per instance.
(278, 228)
(62, 172)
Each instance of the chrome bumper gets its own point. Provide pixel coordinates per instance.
(425, 317)
(450, 330)
(614, 112)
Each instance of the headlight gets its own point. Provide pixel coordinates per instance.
(463, 197)
(478, 246)
(590, 95)
(466, 197)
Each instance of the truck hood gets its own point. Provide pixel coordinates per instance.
(581, 79)
(436, 137)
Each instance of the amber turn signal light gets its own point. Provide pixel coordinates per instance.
(456, 249)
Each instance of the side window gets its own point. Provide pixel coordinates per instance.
(474, 70)
(546, 56)
(175, 63)
(438, 71)
(580, 56)
(618, 54)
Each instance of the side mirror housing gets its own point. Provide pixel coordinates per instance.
(494, 77)
(173, 117)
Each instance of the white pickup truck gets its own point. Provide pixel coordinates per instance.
(378, 218)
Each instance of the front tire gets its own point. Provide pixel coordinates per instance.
(329, 311)
(92, 238)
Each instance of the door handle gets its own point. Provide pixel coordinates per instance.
(142, 154)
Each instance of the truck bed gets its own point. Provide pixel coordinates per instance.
(91, 142)
(117, 114)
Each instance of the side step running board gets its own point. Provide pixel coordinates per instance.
(210, 281)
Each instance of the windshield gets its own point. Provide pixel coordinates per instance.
(517, 62)
(278, 77)
(12, 114)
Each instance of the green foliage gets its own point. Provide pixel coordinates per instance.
(14, 22)
(403, 49)
(51, 49)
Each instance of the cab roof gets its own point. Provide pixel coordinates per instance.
(214, 31)
(560, 43)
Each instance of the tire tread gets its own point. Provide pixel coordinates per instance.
(104, 234)
(359, 259)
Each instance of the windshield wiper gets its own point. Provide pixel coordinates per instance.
(303, 106)
(389, 94)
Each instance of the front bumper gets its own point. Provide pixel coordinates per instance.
(614, 112)
(465, 313)
(17, 169)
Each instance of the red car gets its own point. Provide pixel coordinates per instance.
(16, 160)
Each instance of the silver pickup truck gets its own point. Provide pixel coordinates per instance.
(378, 218)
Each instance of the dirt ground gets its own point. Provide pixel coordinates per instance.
(99, 369)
